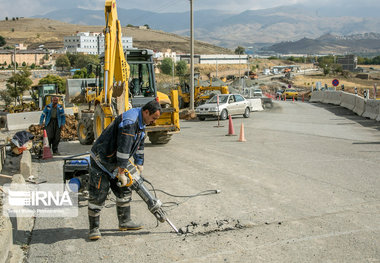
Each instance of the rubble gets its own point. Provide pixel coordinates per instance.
(187, 114)
(68, 133)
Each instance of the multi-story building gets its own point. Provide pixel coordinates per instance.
(348, 62)
(217, 59)
(90, 43)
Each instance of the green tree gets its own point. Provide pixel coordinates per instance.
(54, 79)
(18, 83)
(33, 66)
(147, 26)
(240, 50)
(4, 95)
(80, 74)
(181, 68)
(62, 62)
(82, 60)
(23, 64)
(167, 66)
(2, 41)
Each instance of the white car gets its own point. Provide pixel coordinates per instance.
(229, 104)
(257, 93)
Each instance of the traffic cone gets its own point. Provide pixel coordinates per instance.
(303, 97)
(293, 98)
(46, 148)
(231, 131)
(242, 137)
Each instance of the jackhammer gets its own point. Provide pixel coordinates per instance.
(76, 170)
(136, 182)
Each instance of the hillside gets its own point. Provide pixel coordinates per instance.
(328, 44)
(254, 28)
(44, 31)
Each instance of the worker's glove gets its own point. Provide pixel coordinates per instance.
(127, 175)
(140, 168)
(123, 179)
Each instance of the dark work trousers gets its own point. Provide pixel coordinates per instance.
(54, 134)
(99, 184)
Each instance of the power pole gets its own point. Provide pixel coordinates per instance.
(173, 71)
(191, 57)
(14, 60)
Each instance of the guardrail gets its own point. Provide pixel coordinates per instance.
(368, 108)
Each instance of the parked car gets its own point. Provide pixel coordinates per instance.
(289, 94)
(229, 104)
(257, 93)
(279, 93)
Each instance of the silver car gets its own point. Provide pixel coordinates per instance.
(229, 104)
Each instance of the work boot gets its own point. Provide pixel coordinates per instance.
(94, 233)
(125, 221)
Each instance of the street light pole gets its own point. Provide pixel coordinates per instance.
(191, 57)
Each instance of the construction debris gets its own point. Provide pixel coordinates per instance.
(68, 133)
(187, 114)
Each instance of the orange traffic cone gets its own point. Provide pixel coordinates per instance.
(231, 131)
(46, 148)
(293, 98)
(242, 137)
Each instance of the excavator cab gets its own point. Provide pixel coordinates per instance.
(142, 87)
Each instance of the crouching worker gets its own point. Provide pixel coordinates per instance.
(111, 154)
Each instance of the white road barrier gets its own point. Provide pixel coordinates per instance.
(316, 96)
(359, 106)
(22, 120)
(332, 97)
(347, 100)
(256, 104)
(372, 108)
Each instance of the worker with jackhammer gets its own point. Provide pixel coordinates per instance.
(112, 154)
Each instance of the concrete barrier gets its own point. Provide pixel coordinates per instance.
(22, 120)
(348, 100)
(6, 238)
(316, 96)
(256, 104)
(332, 97)
(372, 108)
(359, 106)
(26, 164)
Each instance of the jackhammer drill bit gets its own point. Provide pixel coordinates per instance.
(172, 225)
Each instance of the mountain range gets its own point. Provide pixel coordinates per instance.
(360, 44)
(250, 28)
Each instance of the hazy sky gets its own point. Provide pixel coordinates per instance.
(27, 8)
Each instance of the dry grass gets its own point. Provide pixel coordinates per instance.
(305, 81)
(37, 31)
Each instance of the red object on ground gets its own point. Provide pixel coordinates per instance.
(46, 148)
(241, 136)
(231, 131)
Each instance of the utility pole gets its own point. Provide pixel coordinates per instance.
(191, 57)
(14, 61)
(173, 71)
(216, 67)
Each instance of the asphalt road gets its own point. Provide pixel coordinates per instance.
(304, 187)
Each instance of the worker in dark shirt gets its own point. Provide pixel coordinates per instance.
(55, 119)
(111, 159)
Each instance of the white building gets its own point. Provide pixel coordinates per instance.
(216, 59)
(90, 43)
